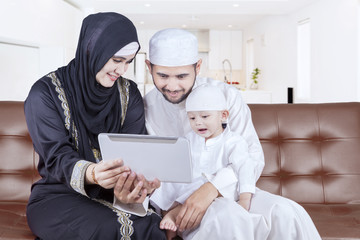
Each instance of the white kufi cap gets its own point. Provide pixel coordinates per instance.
(173, 47)
(206, 98)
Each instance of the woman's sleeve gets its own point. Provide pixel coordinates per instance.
(59, 161)
(135, 115)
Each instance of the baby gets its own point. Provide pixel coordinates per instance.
(219, 156)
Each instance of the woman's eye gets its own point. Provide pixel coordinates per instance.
(205, 116)
(117, 60)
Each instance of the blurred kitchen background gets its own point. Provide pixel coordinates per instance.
(306, 50)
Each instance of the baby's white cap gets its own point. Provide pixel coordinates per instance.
(173, 47)
(206, 98)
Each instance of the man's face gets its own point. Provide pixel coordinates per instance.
(175, 83)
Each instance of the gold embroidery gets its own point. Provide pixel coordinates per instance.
(97, 154)
(65, 106)
(78, 176)
(126, 228)
(62, 98)
(123, 86)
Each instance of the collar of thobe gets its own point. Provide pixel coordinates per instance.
(214, 141)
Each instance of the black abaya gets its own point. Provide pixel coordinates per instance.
(65, 111)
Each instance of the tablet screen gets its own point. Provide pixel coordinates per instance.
(165, 158)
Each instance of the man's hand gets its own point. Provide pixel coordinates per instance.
(126, 191)
(194, 208)
(150, 186)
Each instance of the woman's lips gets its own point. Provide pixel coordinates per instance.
(112, 78)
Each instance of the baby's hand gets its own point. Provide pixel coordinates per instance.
(245, 200)
(245, 204)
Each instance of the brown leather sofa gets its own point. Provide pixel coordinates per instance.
(312, 154)
(17, 171)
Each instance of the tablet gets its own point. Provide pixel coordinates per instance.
(165, 158)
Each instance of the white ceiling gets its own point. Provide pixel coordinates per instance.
(193, 14)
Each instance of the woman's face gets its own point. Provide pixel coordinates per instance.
(113, 69)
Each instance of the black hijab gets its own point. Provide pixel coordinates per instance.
(94, 108)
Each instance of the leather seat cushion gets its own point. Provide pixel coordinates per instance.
(336, 221)
(13, 224)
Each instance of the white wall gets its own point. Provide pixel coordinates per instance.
(50, 22)
(50, 28)
(334, 46)
(335, 40)
(274, 54)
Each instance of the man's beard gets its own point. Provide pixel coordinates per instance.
(182, 98)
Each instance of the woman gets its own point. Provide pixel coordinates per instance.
(65, 111)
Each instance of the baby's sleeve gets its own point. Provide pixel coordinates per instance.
(244, 167)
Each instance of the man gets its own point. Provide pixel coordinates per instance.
(174, 65)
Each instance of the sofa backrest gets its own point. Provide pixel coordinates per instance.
(312, 151)
(18, 158)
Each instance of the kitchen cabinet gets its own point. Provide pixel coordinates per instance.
(225, 45)
(202, 36)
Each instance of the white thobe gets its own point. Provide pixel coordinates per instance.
(223, 160)
(167, 119)
(274, 217)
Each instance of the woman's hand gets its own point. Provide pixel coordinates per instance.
(128, 190)
(106, 173)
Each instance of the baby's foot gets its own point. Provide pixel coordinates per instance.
(168, 223)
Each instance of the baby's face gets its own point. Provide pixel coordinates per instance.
(207, 124)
